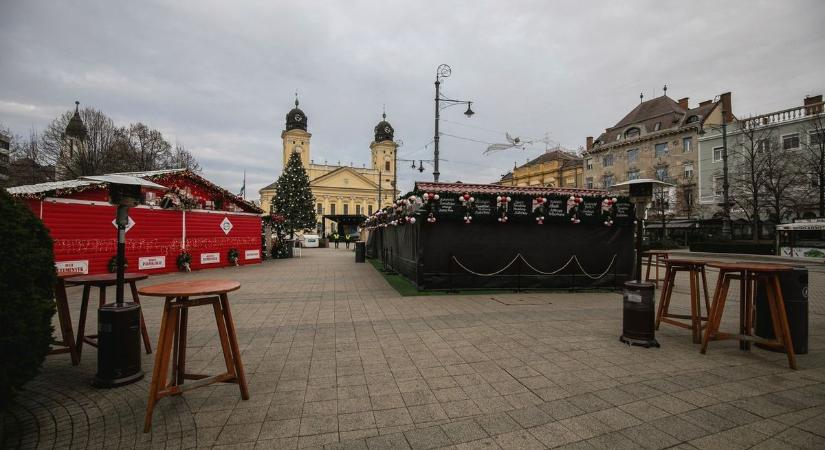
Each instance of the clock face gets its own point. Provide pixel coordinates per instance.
(297, 149)
(298, 117)
(386, 129)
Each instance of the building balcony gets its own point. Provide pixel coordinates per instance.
(785, 115)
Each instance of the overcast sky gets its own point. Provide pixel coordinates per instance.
(219, 76)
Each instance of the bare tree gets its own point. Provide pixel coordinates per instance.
(182, 158)
(94, 158)
(748, 158)
(813, 151)
(782, 179)
(148, 150)
(27, 164)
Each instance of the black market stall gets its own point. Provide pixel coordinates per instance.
(446, 236)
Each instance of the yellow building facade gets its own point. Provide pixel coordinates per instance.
(341, 190)
(554, 168)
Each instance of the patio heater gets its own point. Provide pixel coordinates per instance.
(118, 324)
(639, 304)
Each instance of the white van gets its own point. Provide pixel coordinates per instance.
(310, 240)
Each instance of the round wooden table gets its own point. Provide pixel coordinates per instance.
(68, 344)
(102, 281)
(180, 296)
(750, 274)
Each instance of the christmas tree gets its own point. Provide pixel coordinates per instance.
(293, 197)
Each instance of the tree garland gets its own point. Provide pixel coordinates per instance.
(233, 255)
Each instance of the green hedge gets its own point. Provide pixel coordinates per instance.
(744, 247)
(26, 296)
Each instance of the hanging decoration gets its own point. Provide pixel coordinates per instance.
(501, 204)
(573, 207)
(233, 255)
(540, 211)
(430, 203)
(609, 210)
(468, 202)
(184, 261)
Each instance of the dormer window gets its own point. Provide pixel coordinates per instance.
(692, 119)
(632, 133)
(658, 126)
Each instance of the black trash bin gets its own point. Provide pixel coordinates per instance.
(290, 247)
(795, 294)
(639, 314)
(360, 251)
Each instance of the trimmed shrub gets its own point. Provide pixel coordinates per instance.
(27, 281)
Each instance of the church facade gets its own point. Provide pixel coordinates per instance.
(341, 190)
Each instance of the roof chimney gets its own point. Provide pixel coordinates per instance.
(683, 103)
(589, 143)
(726, 106)
(813, 100)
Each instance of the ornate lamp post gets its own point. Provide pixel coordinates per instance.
(444, 71)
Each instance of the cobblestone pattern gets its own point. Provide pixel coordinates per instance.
(336, 359)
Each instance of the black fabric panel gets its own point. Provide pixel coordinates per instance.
(423, 253)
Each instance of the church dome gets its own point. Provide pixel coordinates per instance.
(296, 118)
(384, 131)
(76, 128)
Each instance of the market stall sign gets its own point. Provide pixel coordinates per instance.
(210, 258)
(252, 254)
(151, 262)
(81, 267)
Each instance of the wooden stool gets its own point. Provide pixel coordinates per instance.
(695, 268)
(103, 281)
(67, 345)
(660, 256)
(172, 339)
(750, 276)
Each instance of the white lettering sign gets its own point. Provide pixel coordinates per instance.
(226, 225)
(210, 258)
(73, 266)
(151, 262)
(252, 254)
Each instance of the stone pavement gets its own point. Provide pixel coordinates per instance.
(337, 359)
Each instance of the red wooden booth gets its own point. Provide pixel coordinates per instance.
(192, 215)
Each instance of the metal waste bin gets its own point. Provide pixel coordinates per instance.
(360, 251)
(795, 295)
(639, 314)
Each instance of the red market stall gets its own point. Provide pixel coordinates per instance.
(192, 215)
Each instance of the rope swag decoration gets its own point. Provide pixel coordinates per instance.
(518, 256)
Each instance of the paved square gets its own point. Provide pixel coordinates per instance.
(335, 358)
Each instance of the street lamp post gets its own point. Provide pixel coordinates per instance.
(443, 71)
(726, 228)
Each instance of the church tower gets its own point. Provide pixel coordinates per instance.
(295, 135)
(383, 154)
(75, 140)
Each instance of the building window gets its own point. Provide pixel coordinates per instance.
(589, 163)
(607, 181)
(633, 174)
(717, 154)
(589, 182)
(816, 137)
(658, 126)
(660, 149)
(369, 209)
(790, 141)
(687, 171)
(762, 145)
(607, 160)
(332, 209)
(692, 119)
(661, 174)
(633, 155)
(320, 208)
(358, 210)
(346, 209)
(687, 144)
(632, 133)
(387, 166)
(688, 198)
(717, 186)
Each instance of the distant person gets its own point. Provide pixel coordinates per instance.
(335, 238)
